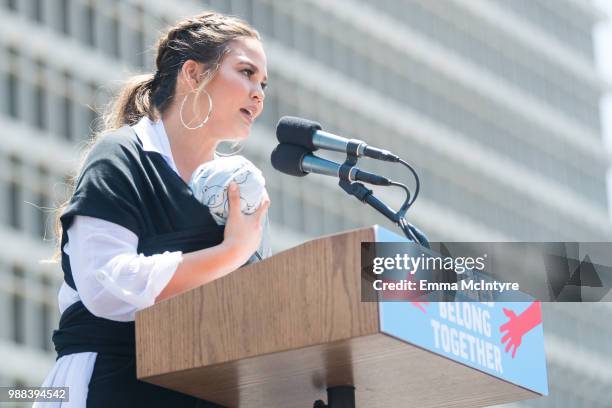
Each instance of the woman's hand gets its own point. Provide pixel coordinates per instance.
(242, 231)
(241, 239)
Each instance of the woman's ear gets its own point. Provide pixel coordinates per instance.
(191, 72)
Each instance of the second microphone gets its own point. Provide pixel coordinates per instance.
(298, 161)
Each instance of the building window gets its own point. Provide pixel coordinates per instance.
(20, 383)
(89, 15)
(37, 10)
(44, 212)
(46, 312)
(134, 49)
(66, 108)
(39, 106)
(94, 123)
(116, 48)
(14, 194)
(18, 306)
(276, 196)
(65, 16)
(13, 95)
(108, 33)
(40, 97)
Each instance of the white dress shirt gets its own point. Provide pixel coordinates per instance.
(113, 280)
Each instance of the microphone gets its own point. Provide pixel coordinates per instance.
(306, 133)
(298, 161)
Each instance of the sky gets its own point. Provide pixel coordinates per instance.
(603, 54)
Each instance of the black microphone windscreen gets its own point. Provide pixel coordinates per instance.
(287, 158)
(297, 131)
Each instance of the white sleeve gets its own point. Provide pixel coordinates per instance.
(112, 279)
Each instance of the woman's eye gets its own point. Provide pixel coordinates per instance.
(249, 73)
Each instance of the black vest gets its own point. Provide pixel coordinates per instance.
(123, 184)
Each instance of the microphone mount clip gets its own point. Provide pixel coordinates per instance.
(352, 155)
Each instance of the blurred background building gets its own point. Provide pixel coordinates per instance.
(495, 102)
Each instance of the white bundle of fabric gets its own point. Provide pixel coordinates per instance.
(211, 180)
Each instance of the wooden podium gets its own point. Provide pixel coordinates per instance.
(279, 332)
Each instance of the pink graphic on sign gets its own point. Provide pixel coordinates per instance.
(420, 306)
(517, 326)
(406, 294)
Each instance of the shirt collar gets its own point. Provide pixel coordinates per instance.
(154, 139)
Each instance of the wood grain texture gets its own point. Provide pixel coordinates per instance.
(277, 333)
(308, 295)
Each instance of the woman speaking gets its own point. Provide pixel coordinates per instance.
(133, 233)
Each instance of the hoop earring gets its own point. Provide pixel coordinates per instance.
(230, 154)
(205, 119)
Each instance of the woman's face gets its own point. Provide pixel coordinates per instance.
(236, 90)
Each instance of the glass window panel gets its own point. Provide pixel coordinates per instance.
(18, 307)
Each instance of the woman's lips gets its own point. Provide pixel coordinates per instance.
(246, 116)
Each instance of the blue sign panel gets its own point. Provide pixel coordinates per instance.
(505, 340)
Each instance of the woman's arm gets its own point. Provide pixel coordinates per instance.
(241, 239)
(112, 279)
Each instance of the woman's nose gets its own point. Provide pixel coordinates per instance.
(258, 94)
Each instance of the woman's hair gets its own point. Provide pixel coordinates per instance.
(204, 38)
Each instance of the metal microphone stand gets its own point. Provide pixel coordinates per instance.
(365, 195)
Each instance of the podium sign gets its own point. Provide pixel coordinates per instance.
(471, 333)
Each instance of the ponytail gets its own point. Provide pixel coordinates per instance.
(132, 103)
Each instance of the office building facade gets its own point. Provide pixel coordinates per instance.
(494, 102)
